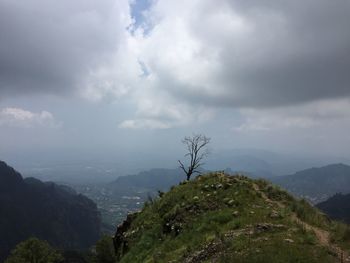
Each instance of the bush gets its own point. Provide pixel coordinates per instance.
(105, 250)
(34, 250)
(276, 193)
(341, 232)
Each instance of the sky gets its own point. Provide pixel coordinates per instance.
(128, 79)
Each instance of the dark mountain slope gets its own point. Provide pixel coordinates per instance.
(317, 184)
(45, 210)
(337, 207)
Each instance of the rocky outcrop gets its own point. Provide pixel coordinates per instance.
(119, 240)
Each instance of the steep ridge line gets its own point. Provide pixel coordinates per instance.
(323, 236)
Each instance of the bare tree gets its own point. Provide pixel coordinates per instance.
(196, 151)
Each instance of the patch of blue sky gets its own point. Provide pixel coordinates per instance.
(138, 10)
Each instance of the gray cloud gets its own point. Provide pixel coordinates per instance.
(305, 58)
(198, 55)
(50, 46)
(252, 53)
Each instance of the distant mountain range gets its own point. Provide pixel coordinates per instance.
(29, 207)
(154, 179)
(128, 193)
(100, 169)
(317, 184)
(265, 163)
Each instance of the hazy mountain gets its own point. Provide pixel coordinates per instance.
(317, 184)
(99, 169)
(29, 207)
(154, 179)
(264, 163)
(337, 207)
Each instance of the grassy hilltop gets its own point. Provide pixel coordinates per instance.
(222, 218)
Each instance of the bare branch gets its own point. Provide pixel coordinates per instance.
(182, 166)
(196, 152)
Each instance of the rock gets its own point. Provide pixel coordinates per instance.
(226, 199)
(231, 202)
(267, 226)
(205, 253)
(218, 186)
(274, 214)
(235, 213)
(263, 226)
(119, 240)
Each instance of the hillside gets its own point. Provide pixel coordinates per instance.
(29, 207)
(337, 207)
(221, 218)
(128, 193)
(317, 184)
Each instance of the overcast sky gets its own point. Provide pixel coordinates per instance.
(131, 78)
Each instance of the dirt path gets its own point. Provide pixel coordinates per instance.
(323, 236)
(324, 239)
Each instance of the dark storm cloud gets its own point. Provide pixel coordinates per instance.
(47, 46)
(307, 56)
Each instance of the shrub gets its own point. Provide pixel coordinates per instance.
(105, 250)
(34, 250)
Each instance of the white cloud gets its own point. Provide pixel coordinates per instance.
(144, 124)
(229, 53)
(162, 112)
(118, 76)
(209, 55)
(17, 117)
(187, 59)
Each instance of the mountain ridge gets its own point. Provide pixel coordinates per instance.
(222, 218)
(29, 207)
(317, 184)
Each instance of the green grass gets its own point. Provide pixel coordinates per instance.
(220, 214)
